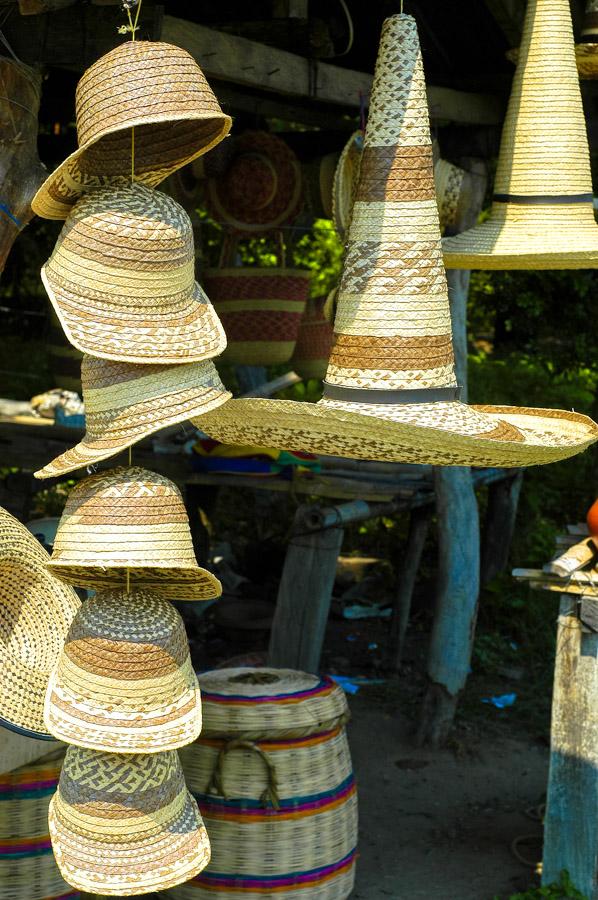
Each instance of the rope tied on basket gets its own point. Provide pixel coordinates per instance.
(268, 797)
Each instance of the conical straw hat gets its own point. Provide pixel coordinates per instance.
(124, 680)
(129, 518)
(542, 214)
(161, 91)
(121, 279)
(125, 824)
(36, 610)
(390, 390)
(125, 402)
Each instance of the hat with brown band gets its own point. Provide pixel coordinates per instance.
(125, 402)
(129, 519)
(390, 391)
(124, 680)
(156, 88)
(542, 214)
(121, 280)
(124, 824)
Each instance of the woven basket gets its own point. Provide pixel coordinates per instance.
(314, 342)
(260, 310)
(280, 809)
(27, 867)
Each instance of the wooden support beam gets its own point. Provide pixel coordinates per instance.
(407, 574)
(229, 57)
(571, 821)
(499, 525)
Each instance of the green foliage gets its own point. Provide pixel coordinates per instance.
(321, 251)
(564, 889)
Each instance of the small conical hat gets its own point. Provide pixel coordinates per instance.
(390, 391)
(542, 215)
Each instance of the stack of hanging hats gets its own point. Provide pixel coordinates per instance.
(542, 215)
(390, 391)
(586, 52)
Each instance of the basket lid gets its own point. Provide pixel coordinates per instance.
(267, 702)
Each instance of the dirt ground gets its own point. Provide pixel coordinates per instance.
(438, 825)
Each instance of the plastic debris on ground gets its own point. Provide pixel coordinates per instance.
(502, 701)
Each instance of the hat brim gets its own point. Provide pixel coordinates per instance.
(88, 452)
(99, 334)
(105, 867)
(436, 433)
(586, 56)
(66, 184)
(185, 583)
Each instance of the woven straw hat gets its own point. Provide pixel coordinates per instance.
(262, 188)
(125, 402)
(542, 216)
(346, 178)
(390, 391)
(448, 181)
(121, 279)
(36, 610)
(124, 824)
(155, 87)
(586, 52)
(129, 518)
(124, 681)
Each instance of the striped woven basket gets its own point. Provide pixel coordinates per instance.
(314, 342)
(27, 867)
(281, 807)
(260, 310)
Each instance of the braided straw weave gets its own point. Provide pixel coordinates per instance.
(27, 867)
(121, 279)
(346, 179)
(161, 91)
(260, 310)
(314, 341)
(124, 824)
(281, 811)
(393, 324)
(124, 680)
(36, 610)
(129, 518)
(448, 180)
(125, 402)
(543, 155)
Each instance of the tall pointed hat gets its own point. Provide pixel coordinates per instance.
(390, 391)
(542, 214)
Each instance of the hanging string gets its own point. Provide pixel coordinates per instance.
(133, 28)
(401, 7)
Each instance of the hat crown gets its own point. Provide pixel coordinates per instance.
(97, 495)
(393, 326)
(544, 147)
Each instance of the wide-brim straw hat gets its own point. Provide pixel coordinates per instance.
(129, 526)
(156, 88)
(390, 391)
(542, 215)
(36, 610)
(124, 824)
(124, 680)
(449, 181)
(262, 188)
(121, 280)
(125, 402)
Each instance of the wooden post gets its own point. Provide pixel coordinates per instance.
(499, 525)
(571, 822)
(458, 531)
(304, 596)
(418, 529)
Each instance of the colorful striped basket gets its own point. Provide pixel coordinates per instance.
(273, 778)
(27, 867)
(260, 310)
(314, 342)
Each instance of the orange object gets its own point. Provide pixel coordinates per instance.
(592, 518)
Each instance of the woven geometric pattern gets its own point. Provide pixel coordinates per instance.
(124, 680)
(544, 154)
(129, 518)
(159, 89)
(314, 341)
(121, 279)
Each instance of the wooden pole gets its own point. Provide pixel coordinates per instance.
(418, 529)
(499, 525)
(304, 596)
(571, 823)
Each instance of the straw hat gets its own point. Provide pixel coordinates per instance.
(448, 181)
(390, 391)
(155, 87)
(30, 641)
(542, 216)
(124, 680)
(125, 402)
(262, 188)
(124, 824)
(346, 178)
(586, 52)
(129, 518)
(121, 279)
